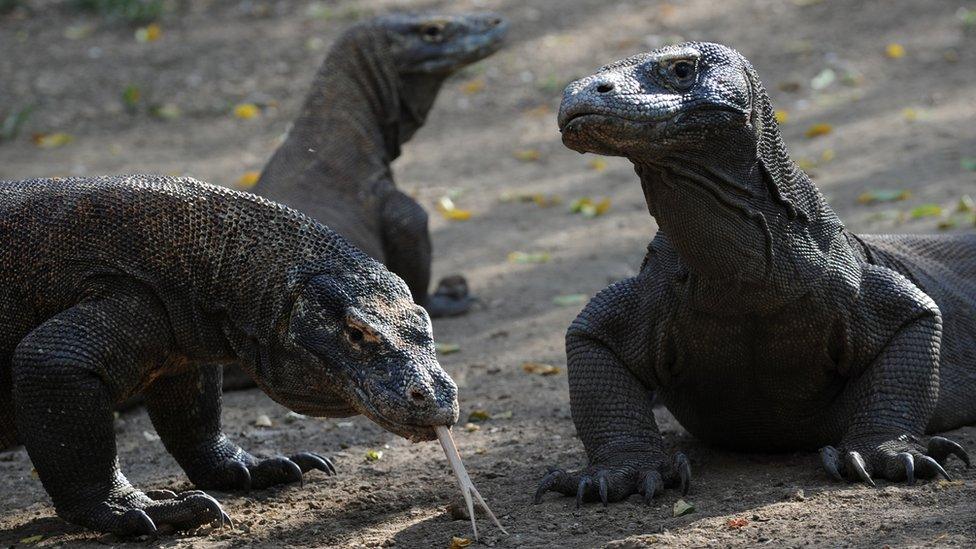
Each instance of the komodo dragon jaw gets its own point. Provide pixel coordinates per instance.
(433, 43)
(365, 341)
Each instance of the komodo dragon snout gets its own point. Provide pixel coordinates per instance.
(372, 346)
(439, 43)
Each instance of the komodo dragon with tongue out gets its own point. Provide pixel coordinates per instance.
(758, 319)
(121, 285)
(372, 93)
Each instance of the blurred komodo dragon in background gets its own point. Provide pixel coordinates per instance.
(371, 94)
(369, 97)
(757, 318)
(122, 285)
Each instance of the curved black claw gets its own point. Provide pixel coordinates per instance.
(941, 448)
(930, 467)
(909, 462)
(853, 461)
(830, 459)
(652, 485)
(137, 523)
(602, 478)
(584, 484)
(683, 466)
(548, 482)
(307, 461)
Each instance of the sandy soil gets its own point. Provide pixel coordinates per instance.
(215, 54)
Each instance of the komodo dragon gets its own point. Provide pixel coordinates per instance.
(118, 285)
(758, 319)
(372, 93)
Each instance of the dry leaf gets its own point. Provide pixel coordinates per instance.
(527, 155)
(817, 130)
(909, 114)
(540, 368)
(884, 195)
(895, 50)
(478, 415)
(246, 111)
(459, 543)
(598, 164)
(262, 421)
(248, 180)
(736, 523)
(524, 257)
(149, 33)
(682, 508)
(32, 539)
(473, 86)
(589, 208)
(926, 210)
(374, 455)
(446, 348)
(447, 209)
(471, 427)
(781, 117)
(52, 140)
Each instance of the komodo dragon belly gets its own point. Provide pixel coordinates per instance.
(757, 386)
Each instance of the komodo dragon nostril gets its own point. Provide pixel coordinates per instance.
(604, 87)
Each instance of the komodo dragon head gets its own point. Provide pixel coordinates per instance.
(403, 59)
(354, 342)
(700, 129)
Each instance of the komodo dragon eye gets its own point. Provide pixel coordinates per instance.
(682, 73)
(432, 32)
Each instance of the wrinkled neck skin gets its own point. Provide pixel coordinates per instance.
(745, 247)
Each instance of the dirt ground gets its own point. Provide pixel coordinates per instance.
(898, 123)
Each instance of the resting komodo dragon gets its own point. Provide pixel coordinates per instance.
(121, 285)
(757, 318)
(371, 94)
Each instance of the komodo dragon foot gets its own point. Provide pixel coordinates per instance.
(129, 512)
(619, 479)
(451, 298)
(901, 459)
(227, 467)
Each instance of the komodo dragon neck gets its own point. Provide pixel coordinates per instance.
(767, 247)
(351, 126)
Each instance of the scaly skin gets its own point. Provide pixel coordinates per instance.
(757, 318)
(372, 93)
(117, 286)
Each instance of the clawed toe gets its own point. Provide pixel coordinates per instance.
(647, 476)
(907, 463)
(307, 461)
(941, 448)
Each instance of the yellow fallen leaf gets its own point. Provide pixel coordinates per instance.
(32, 539)
(781, 117)
(817, 130)
(459, 543)
(478, 415)
(895, 50)
(447, 209)
(528, 155)
(540, 368)
(909, 114)
(471, 427)
(52, 140)
(246, 111)
(149, 33)
(598, 164)
(827, 155)
(248, 180)
(473, 86)
(589, 208)
(374, 455)
(446, 348)
(523, 257)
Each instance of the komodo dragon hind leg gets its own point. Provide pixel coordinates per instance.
(406, 244)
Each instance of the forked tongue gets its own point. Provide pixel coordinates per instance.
(464, 481)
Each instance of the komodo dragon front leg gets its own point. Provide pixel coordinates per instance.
(68, 374)
(887, 406)
(185, 410)
(406, 244)
(612, 406)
